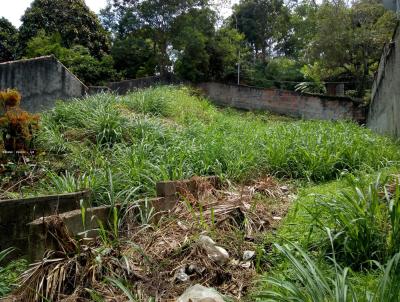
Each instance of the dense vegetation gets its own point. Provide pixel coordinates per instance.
(285, 45)
(169, 133)
(343, 228)
(344, 237)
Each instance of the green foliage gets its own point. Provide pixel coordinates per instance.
(279, 72)
(91, 70)
(8, 41)
(10, 272)
(263, 22)
(193, 62)
(354, 44)
(168, 133)
(71, 19)
(311, 87)
(134, 56)
(312, 283)
(365, 221)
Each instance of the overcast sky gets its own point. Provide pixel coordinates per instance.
(14, 9)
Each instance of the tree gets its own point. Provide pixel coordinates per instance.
(91, 70)
(155, 19)
(8, 41)
(134, 56)
(72, 19)
(353, 45)
(263, 22)
(204, 53)
(302, 29)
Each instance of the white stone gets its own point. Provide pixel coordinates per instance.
(199, 293)
(205, 240)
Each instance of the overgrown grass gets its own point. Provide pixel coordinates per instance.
(365, 220)
(171, 133)
(359, 258)
(311, 283)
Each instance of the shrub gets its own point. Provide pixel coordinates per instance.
(18, 127)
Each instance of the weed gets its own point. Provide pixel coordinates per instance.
(311, 283)
(365, 222)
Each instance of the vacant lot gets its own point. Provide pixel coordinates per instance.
(119, 147)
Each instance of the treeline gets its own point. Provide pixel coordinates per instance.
(276, 44)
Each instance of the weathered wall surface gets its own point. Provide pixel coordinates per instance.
(384, 111)
(17, 213)
(285, 102)
(41, 82)
(124, 87)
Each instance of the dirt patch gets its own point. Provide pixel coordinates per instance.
(163, 258)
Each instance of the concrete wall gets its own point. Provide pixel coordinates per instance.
(285, 102)
(384, 111)
(15, 214)
(124, 87)
(41, 82)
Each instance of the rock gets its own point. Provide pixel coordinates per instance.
(248, 255)
(205, 240)
(215, 253)
(219, 255)
(199, 293)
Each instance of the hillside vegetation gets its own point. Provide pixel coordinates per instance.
(340, 239)
(124, 143)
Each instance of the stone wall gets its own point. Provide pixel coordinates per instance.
(41, 82)
(384, 111)
(285, 102)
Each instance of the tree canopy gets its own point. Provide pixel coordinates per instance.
(72, 19)
(8, 41)
(274, 42)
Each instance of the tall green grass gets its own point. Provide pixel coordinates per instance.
(171, 133)
(365, 220)
(311, 283)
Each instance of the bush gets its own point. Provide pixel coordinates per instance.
(89, 69)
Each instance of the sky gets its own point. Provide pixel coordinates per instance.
(14, 9)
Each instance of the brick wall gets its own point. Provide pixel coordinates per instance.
(285, 102)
